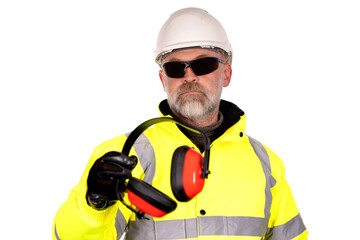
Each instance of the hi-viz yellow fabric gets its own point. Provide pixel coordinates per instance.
(243, 198)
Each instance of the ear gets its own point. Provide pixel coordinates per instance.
(161, 76)
(227, 75)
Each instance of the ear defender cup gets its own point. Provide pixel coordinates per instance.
(186, 173)
(148, 199)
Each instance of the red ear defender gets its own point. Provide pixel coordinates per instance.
(186, 173)
(148, 199)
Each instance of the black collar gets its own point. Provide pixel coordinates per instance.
(230, 111)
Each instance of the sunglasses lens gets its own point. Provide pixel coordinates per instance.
(200, 67)
(175, 69)
(204, 66)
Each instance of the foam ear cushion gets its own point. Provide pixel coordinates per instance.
(148, 199)
(186, 178)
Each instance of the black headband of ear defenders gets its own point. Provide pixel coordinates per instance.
(142, 127)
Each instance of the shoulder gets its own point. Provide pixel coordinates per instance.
(114, 144)
(268, 158)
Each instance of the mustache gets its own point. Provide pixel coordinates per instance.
(191, 87)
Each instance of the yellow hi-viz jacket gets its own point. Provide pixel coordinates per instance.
(245, 197)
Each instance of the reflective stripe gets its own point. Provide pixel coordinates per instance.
(289, 230)
(232, 226)
(56, 234)
(146, 156)
(141, 229)
(270, 181)
(189, 228)
(176, 229)
(292, 228)
(120, 224)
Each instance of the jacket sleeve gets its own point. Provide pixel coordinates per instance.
(285, 220)
(77, 220)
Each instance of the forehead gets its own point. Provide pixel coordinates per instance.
(191, 54)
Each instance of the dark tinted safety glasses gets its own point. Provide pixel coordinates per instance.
(199, 66)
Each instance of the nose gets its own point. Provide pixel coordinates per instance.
(190, 76)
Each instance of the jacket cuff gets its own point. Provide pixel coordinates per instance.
(92, 216)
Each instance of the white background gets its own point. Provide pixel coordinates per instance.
(77, 73)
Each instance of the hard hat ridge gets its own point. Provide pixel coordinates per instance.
(191, 27)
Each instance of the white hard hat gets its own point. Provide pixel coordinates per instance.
(191, 27)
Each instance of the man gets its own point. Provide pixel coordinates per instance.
(245, 195)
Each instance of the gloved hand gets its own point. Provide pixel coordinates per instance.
(106, 180)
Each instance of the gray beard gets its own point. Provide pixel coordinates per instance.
(194, 107)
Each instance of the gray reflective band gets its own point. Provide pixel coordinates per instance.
(232, 226)
(120, 224)
(289, 230)
(146, 156)
(202, 226)
(56, 234)
(270, 181)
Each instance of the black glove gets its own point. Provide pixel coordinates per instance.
(106, 180)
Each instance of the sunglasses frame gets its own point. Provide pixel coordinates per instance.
(188, 64)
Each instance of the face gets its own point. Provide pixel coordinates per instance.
(195, 97)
